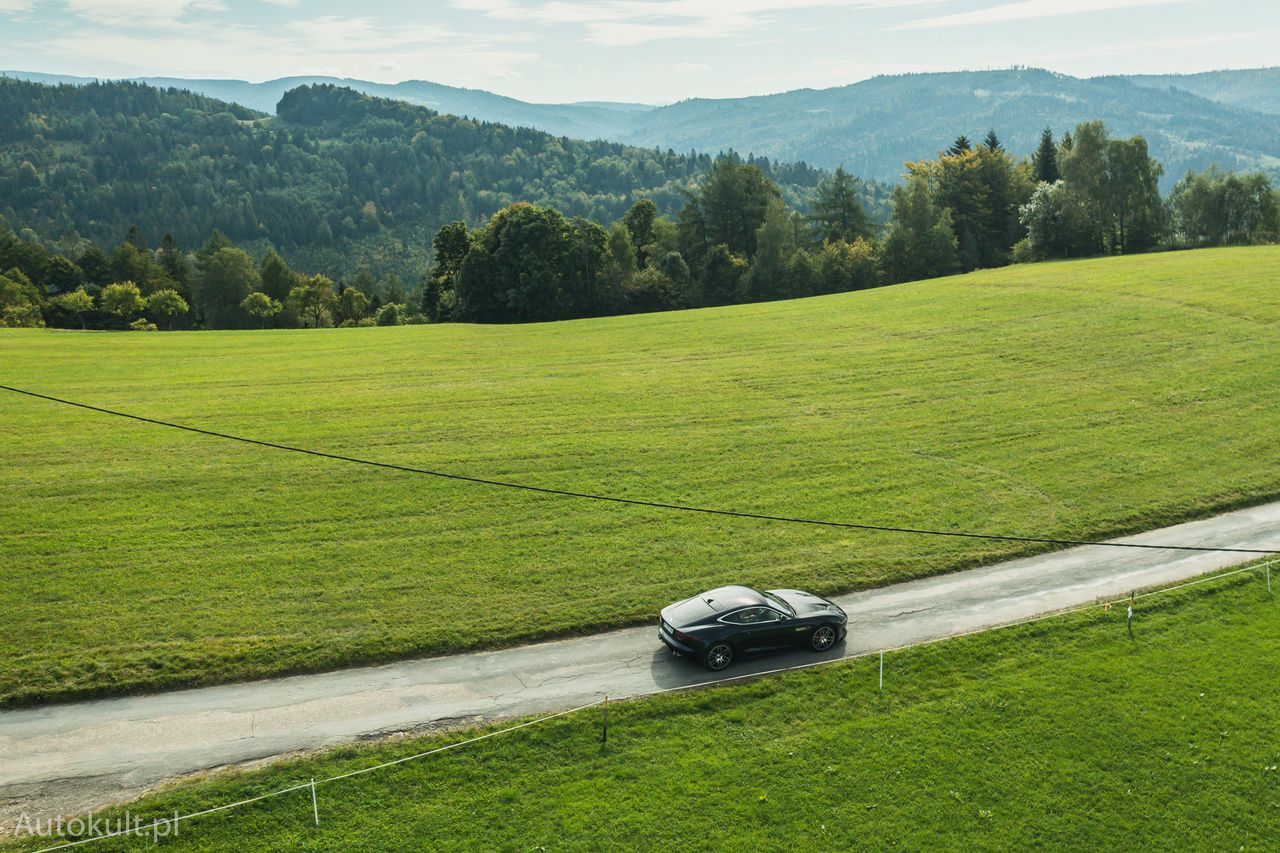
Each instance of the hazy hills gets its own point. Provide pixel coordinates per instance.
(873, 127)
(594, 120)
(1251, 88)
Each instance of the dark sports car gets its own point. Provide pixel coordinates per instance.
(718, 625)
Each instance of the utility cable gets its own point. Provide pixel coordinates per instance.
(850, 525)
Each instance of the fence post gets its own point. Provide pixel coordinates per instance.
(604, 731)
(882, 670)
(315, 808)
(1129, 617)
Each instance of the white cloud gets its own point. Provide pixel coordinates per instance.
(139, 12)
(356, 47)
(346, 35)
(16, 7)
(633, 22)
(1127, 48)
(1028, 9)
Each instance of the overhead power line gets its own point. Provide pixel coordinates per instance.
(566, 493)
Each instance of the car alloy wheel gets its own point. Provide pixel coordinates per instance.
(823, 638)
(719, 656)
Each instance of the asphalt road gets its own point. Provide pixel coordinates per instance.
(66, 759)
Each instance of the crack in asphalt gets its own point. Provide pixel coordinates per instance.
(911, 612)
(596, 673)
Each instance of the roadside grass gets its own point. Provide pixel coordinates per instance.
(1075, 400)
(1061, 734)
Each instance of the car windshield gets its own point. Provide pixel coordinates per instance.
(782, 605)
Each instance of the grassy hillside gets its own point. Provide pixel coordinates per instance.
(1076, 400)
(1063, 735)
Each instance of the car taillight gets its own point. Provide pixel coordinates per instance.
(680, 635)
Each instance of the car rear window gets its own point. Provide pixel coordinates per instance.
(688, 612)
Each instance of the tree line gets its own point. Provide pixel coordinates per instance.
(217, 286)
(734, 239)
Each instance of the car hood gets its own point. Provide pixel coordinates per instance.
(806, 603)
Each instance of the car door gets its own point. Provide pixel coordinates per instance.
(757, 628)
(776, 630)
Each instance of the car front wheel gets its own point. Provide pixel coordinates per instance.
(719, 656)
(823, 638)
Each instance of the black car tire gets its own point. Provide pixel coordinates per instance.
(719, 656)
(822, 638)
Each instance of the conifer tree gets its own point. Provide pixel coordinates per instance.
(838, 213)
(1044, 163)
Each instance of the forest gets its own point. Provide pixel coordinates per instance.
(337, 181)
(713, 231)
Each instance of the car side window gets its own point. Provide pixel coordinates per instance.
(753, 616)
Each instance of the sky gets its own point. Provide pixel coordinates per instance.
(649, 51)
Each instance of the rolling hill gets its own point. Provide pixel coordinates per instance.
(596, 120)
(1251, 88)
(1073, 400)
(873, 127)
(342, 181)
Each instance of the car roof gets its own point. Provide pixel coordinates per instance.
(730, 597)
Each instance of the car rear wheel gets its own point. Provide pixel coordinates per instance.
(719, 656)
(823, 638)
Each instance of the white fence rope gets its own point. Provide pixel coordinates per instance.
(142, 831)
(1106, 605)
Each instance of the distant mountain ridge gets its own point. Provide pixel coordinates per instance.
(873, 127)
(1231, 118)
(1250, 88)
(587, 120)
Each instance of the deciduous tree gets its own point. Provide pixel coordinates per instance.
(351, 305)
(76, 302)
(639, 220)
(167, 304)
(20, 301)
(259, 304)
(1215, 208)
(313, 299)
(920, 241)
(122, 299)
(224, 278)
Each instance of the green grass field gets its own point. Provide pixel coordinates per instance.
(1061, 735)
(1078, 400)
